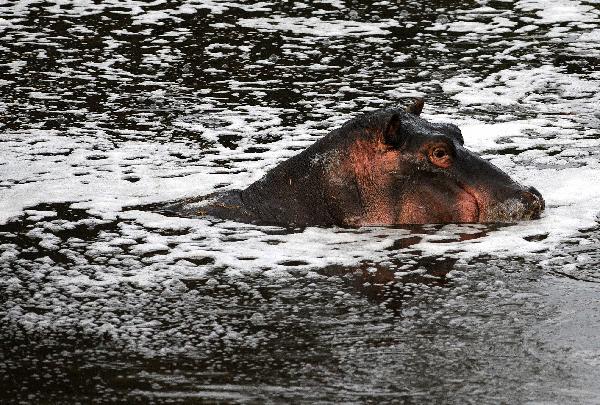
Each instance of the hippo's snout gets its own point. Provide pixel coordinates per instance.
(526, 203)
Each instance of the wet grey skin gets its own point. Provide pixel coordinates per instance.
(377, 169)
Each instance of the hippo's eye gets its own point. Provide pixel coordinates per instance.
(439, 153)
(440, 157)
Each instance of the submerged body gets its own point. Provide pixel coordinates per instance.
(387, 167)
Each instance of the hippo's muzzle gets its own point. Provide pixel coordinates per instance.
(526, 204)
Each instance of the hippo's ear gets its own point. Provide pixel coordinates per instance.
(416, 107)
(453, 131)
(392, 134)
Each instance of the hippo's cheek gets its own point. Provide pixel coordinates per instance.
(438, 206)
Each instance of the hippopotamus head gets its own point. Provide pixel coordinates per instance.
(390, 167)
(403, 169)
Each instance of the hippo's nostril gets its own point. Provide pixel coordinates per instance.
(533, 201)
(529, 198)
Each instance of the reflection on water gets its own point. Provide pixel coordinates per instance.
(122, 104)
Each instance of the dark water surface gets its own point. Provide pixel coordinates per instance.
(107, 105)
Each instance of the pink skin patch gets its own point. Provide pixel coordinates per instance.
(424, 199)
(372, 164)
(437, 203)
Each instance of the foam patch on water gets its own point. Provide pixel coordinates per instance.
(561, 11)
(140, 10)
(315, 27)
(497, 25)
(544, 88)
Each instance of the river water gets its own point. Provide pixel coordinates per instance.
(107, 106)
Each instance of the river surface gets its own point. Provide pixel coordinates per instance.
(108, 106)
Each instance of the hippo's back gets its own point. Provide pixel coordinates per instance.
(225, 205)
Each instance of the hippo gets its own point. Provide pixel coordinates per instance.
(381, 168)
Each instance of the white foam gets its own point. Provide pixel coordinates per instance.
(523, 86)
(560, 11)
(315, 27)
